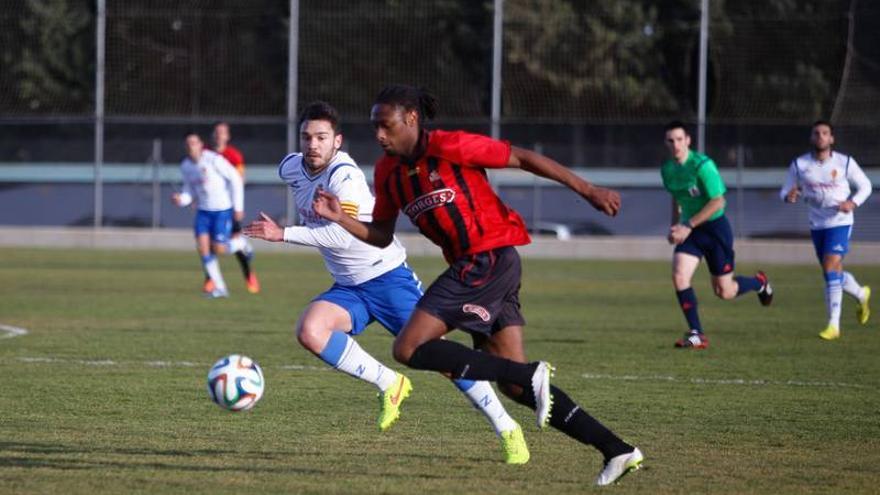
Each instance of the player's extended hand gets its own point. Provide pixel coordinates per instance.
(264, 228)
(847, 206)
(605, 200)
(678, 233)
(327, 206)
(238, 215)
(175, 198)
(793, 195)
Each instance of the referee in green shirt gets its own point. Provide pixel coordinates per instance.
(700, 229)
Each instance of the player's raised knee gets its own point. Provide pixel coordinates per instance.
(311, 336)
(725, 291)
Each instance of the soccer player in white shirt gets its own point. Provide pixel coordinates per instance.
(823, 178)
(239, 245)
(216, 188)
(371, 283)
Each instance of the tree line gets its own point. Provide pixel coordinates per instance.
(598, 60)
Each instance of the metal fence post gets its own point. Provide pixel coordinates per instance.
(100, 50)
(740, 193)
(156, 161)
(701, 100)
(292, 90)
(536, 193)
(497, 43)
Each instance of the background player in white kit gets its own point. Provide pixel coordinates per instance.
(823, 178)
(371, 284)
(214, 185)
(239, 245)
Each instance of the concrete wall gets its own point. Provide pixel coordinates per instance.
(611, 248)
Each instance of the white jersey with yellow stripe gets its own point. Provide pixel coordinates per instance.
(349, 260)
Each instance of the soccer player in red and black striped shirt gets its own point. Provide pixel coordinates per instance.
(438, 179)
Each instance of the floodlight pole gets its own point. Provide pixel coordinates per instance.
(497, 40)
(701, 101)
(292, 95)
(100, 29)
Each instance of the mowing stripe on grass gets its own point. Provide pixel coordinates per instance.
(10, 331)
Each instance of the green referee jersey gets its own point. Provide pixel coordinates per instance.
(693, 183)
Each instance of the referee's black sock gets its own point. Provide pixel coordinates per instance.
(462, 362)
(571, 419)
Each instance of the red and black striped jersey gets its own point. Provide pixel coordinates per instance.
(447, 195)
(234, 157)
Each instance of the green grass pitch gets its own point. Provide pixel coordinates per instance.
(106, 393)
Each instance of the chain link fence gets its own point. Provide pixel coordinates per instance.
(588, 83)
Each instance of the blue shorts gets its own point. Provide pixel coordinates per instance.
(714, 241)
(389, 299)
(831, 241)
(217, 224)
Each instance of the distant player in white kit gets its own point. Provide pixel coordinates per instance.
(240, 246)
(823, 178)
(371, 284)
(216, 188)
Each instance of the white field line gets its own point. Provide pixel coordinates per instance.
(755, 382)
(749, 382)
(10, 331)
(150, 364)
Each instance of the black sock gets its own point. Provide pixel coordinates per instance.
(571, 419)
(245, 264)
(452, 357)
(687, 299)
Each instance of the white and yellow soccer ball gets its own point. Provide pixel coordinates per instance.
(236, 383)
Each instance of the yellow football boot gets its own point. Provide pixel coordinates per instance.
(864, 310)
(513, 444)
(830, 333)
(391, 399)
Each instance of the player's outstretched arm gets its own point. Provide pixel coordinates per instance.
(379, 234)
(265, 228)
(605, 200)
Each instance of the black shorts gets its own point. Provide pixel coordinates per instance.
(714, 241)
(236, 226)
(478, 293)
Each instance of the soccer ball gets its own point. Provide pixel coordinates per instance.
(235, 383)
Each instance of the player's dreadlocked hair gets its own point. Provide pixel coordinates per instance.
(320, 110)
(410, 98)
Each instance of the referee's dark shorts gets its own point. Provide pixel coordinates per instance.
(714, 241)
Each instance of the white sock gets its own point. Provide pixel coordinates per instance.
(343, 353)
(212, 268)
(240, 243)
(483, 397)
(851, 286)
(833, 298)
